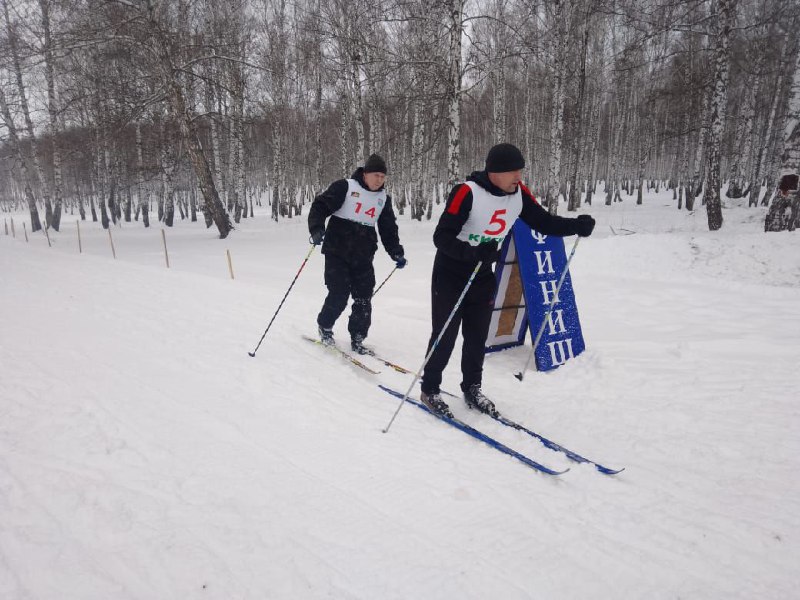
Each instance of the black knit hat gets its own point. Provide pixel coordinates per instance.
(503, 158)
(375, 164)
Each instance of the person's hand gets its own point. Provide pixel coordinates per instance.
(399, 259)
(584, 225)
(316, 236)
(488, 252)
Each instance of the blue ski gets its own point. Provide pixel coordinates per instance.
(550, 444)
(478, 435)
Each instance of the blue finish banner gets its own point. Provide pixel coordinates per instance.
(527, 276)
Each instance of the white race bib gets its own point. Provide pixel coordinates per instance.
(491, 216)
(360, 205)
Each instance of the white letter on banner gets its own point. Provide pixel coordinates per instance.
(547, 262)
(548, 290)
(556, 325)
(559, 357)
(539, 237)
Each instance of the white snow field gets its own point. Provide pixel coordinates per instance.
(145, 455)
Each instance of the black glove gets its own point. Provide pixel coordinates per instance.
(316, 236)
(584, 225)
(488, 252)
(399, 259)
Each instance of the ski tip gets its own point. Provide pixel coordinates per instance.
(550, 471)
(607, 471)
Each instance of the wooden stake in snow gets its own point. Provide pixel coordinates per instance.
(25, 229)
(5, 222)
(80, 246)
(166, 254)
(47, 235)
(230, 264)
(111, 240)
(13, 231)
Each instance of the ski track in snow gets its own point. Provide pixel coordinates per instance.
(144, 455)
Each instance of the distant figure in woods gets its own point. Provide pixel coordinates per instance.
(355, 206)
(478, 216)
(784, 213)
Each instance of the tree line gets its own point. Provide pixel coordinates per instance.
(119, 107)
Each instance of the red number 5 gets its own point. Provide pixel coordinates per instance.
(496, 220)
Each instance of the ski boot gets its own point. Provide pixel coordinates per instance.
(326, 336)
(475, 399)
(357, 345)
(434, 403)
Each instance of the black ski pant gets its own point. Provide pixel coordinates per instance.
(345, 279)
(473, 316)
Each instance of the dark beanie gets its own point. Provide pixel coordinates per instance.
(503, 158)
(375, 164)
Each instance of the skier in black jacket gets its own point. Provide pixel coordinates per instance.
(477, 217)
(355, 206)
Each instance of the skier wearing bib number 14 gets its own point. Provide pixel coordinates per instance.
(477, 217)
(355, 206)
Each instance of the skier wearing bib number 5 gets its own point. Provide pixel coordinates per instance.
(355, 207)
(477, 217)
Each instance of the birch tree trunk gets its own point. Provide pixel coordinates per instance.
(52, 110)
(456, 22)
(417, 141)
(719, 103)
(344, 130)
(213, 123)
(760, 156)
(358, 100)
(318, 109)
(557, 112)
(577, 146)
(499, 103)
(235, 144)
(744, 142)
(142, 201)
(527, 117)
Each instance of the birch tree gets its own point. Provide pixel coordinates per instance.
(719, 103)
(455, 11)
(560, 30)
(168, 72)
(8, 120)
(41, 180)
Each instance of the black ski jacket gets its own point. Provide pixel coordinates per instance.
(459, 257)
(352, 241)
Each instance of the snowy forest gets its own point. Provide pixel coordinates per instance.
(116, 109)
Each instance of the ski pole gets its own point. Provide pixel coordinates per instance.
(253, 353)
(436, 343)
(521, 374)
(384, 281)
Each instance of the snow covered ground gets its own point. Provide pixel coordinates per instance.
(144, 455)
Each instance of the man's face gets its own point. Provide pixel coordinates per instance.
(374, 181)
(506, 181)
